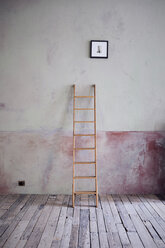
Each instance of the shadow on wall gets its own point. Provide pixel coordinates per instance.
(58, 164)
(66, 115)
(60, 157)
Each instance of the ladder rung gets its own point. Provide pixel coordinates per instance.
(84, 134)
(85, 192)
(84, 177)
(83, 96)
(84, 121)
(85, 148)
(85, 162)
(84, 109)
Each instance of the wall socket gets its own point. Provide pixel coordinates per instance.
(21, 183)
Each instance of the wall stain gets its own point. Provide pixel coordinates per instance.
(2, 106)
(51, 53)
(4, 182)
(128, 162)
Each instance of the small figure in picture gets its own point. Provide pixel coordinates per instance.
(98, 49)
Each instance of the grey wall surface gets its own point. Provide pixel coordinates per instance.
(44, 49)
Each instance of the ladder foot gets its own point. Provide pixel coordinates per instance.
(96, 200)
(73, 199)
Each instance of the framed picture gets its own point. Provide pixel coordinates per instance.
(99, 49)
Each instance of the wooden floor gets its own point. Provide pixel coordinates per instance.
(50, 221)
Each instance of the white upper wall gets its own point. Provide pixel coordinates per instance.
(44, 49)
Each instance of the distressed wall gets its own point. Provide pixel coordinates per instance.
(44, 49)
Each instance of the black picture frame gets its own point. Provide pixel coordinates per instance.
(99, 49)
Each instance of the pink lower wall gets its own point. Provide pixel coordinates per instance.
(128, 162)
(133, 162)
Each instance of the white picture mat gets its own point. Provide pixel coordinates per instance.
(99, 46)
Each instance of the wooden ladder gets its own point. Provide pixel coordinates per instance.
(84, 148)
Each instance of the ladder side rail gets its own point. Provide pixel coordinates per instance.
(96, 187)
(73, 182)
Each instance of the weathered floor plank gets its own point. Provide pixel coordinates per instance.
(84, 222)
(47, 236)
(73, 243)
(61, 224)
(93, 224)
(33, 214)
(16, 234)
(102, 224)
(40, 221)
(36, 234)
(68, 226)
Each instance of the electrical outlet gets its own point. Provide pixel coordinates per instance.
(21, 183)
